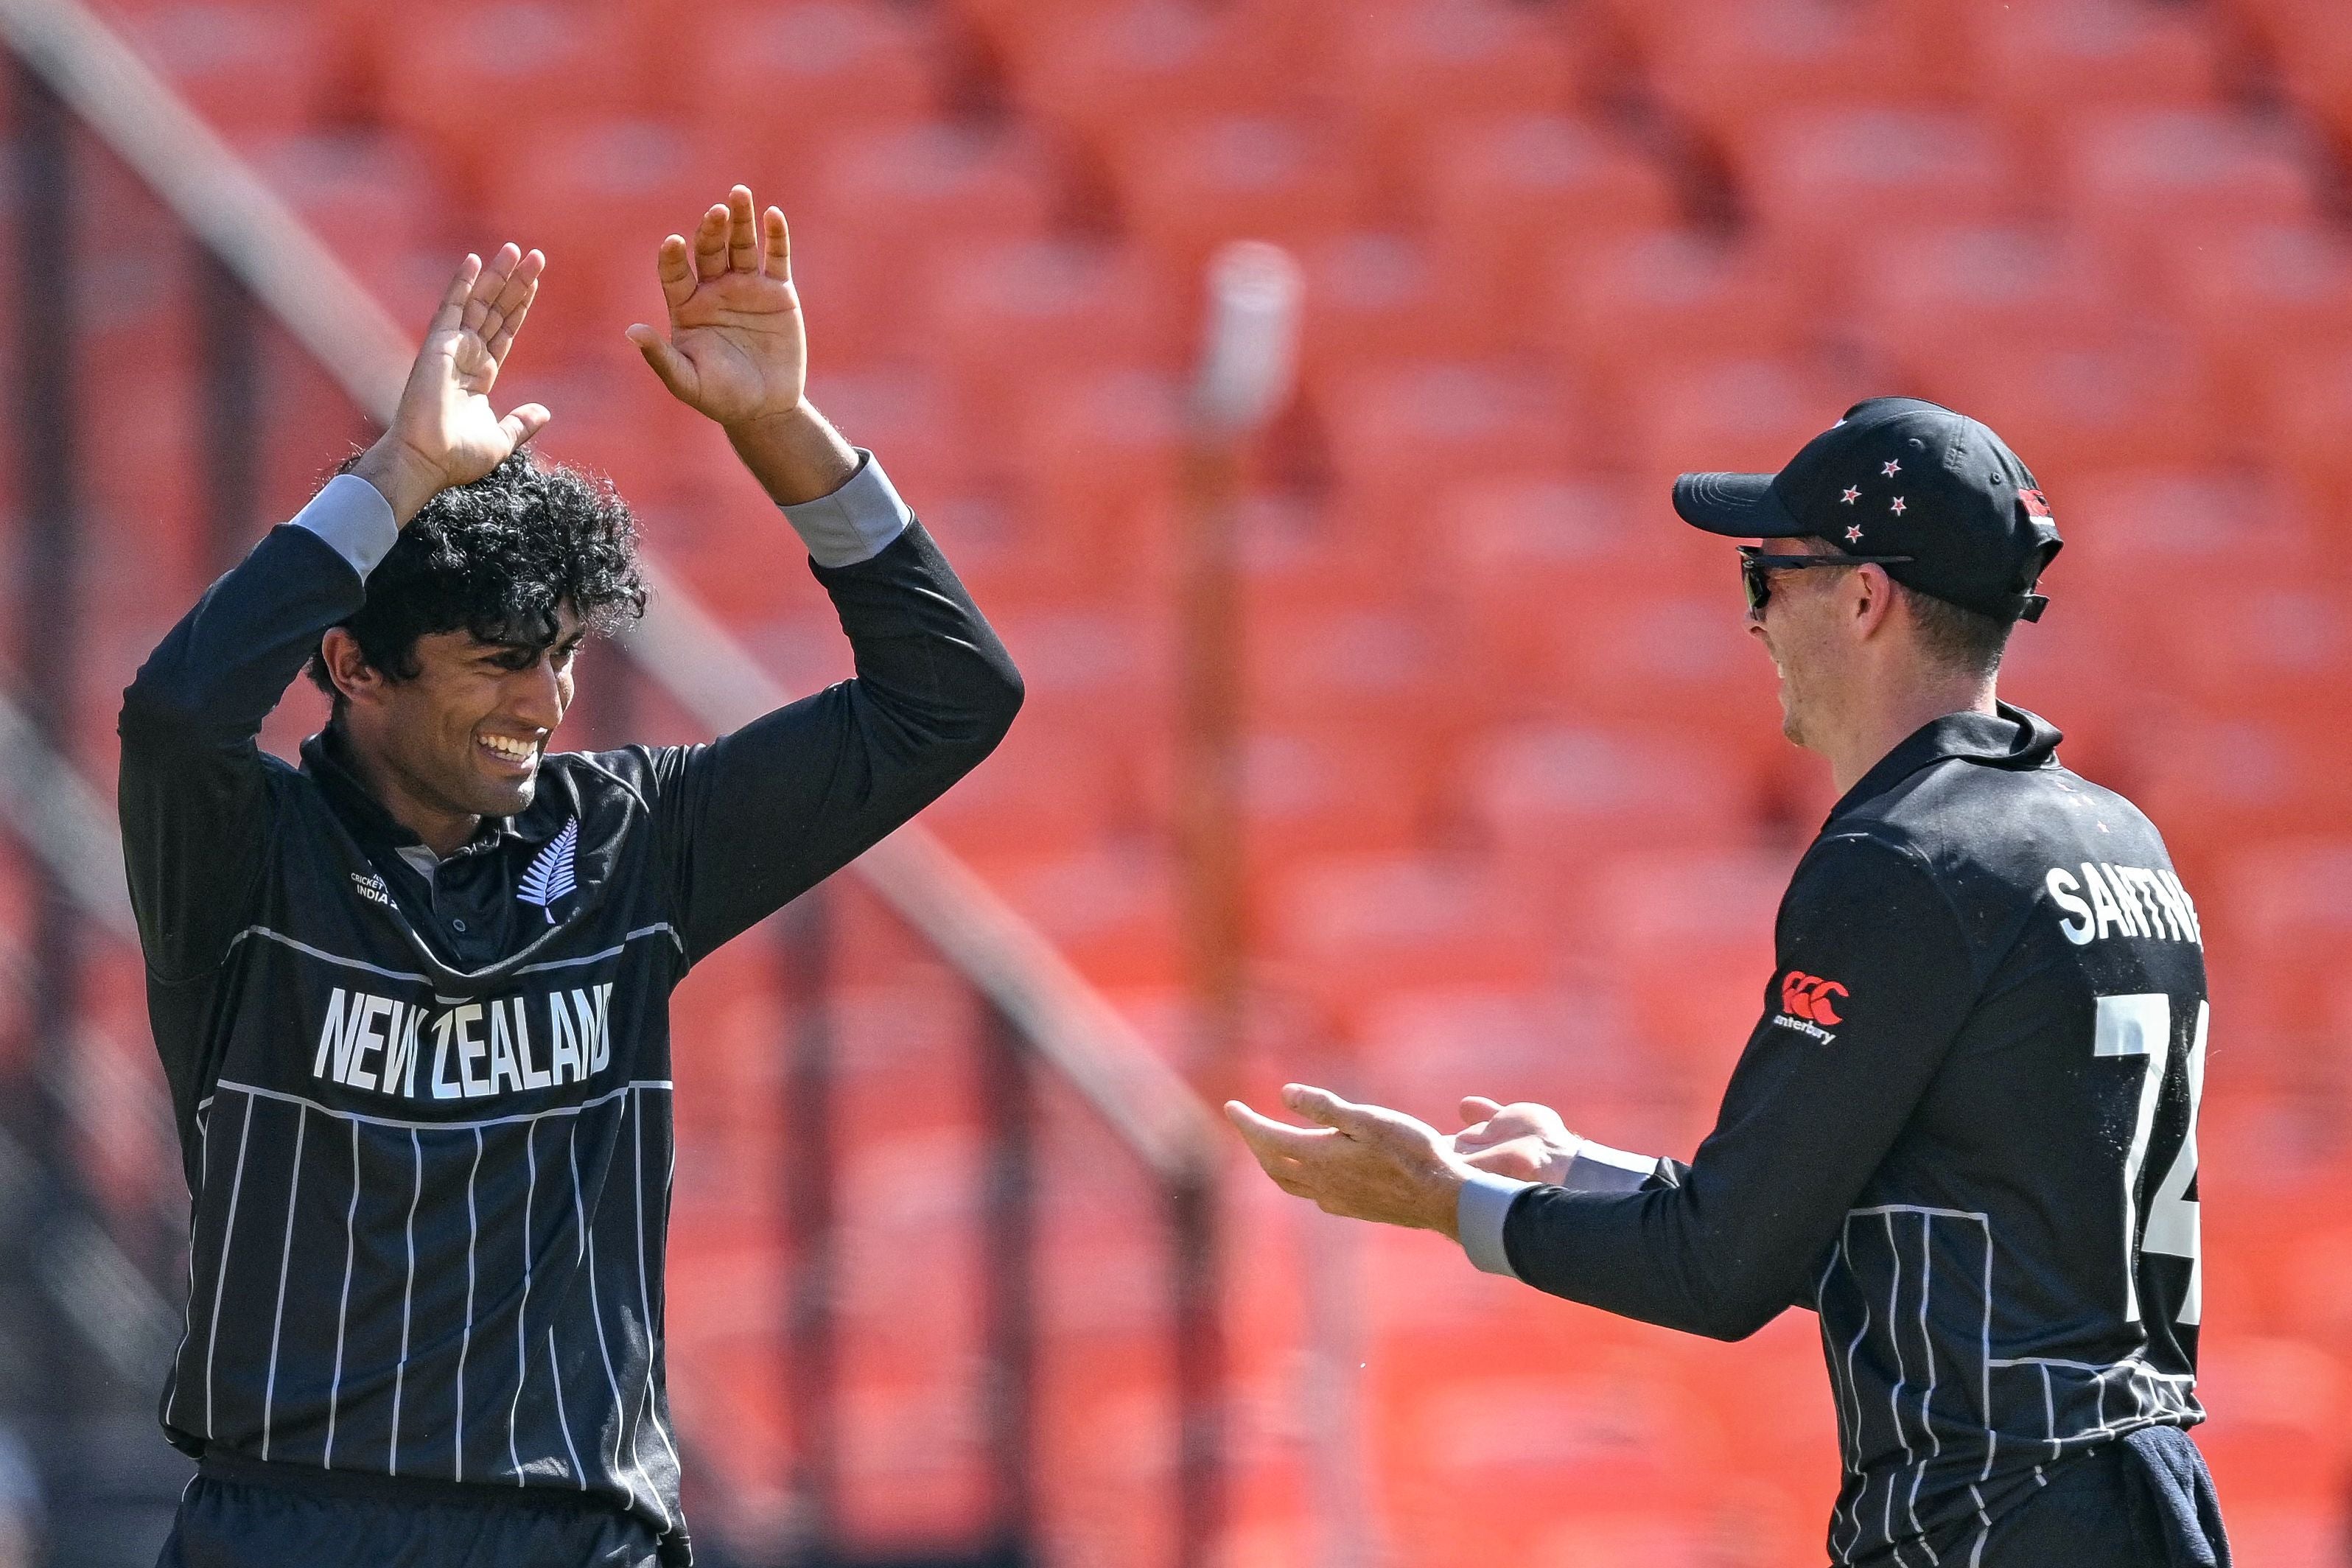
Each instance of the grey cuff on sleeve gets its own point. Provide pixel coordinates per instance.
(354, 520)
(1598, 1168)
(855, 522)
(1478, 1215)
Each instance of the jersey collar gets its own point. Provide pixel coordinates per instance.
(326, 758)
(2010, 737)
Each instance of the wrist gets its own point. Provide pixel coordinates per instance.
(402, 478)
(795, 453)
(1444, 1212)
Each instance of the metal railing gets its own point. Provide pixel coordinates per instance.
(259, 262)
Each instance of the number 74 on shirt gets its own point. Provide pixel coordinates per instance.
(2141, 1026)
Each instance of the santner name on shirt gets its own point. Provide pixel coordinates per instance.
(480, 1048)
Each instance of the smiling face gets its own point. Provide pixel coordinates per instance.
(462, 739)
(1797, 628)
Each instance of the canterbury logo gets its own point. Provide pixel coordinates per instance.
(1806, 995)
(550, 876)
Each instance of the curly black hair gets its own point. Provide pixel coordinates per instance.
(496, 558)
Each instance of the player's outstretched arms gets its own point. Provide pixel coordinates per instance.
(738, 347)
(444, 432)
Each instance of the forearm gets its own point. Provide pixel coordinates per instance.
(1664, 1254)
(783, 802)
(797, 455)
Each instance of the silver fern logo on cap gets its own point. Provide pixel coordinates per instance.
(550, 876)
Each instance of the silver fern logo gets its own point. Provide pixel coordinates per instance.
(550, 876)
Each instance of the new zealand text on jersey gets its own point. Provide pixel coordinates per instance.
(480, 1048)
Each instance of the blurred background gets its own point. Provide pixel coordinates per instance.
(1405, 742)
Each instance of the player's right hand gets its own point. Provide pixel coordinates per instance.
(1526, 1141)
(445, 433)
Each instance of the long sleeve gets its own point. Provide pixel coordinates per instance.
(1875, 978)
(759, 815)
(193, 797)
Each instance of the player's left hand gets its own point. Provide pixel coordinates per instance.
(1524, 1140)
(738, 350)
(1364, 1161)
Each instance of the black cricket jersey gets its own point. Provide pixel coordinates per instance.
(1964, 1130)
(424, 1108)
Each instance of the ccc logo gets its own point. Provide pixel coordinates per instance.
(1806, 995)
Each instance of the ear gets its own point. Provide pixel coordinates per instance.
(1870, 598)
(347, 666)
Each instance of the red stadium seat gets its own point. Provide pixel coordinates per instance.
(938, 182)
(598, 198)
(213, 54)
(1509, 199)
(2260, 300)
(1375, 296)
(1728, 65)
(1110, 909)
(1828, 186)
(1671, 296)
(2147, 184)
(1514, 558)
(2039, 68)
(1191, 188)
(1361, 928)
(773, 87)
(1006, 318)
(1398, 437)
(1926, 300)
(1118, 78)
(1322, 788)
(1312, 664)
(468, 80)
(1094, 461)
(1690, 933)
(2309, 47)
(1409, 73)
(1556, 802)
(2311, 408)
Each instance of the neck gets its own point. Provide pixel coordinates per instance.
(1887, 714)
(444, 830)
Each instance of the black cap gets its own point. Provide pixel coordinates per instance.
(1898, 476)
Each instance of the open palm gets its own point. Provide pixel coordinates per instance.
(445, 419)
(737, 351)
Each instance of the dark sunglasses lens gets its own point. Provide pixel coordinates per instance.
(1760, 589)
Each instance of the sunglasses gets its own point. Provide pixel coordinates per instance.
(1756, 569)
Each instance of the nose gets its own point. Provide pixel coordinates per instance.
(542, 694)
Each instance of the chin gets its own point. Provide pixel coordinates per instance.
(503, 797)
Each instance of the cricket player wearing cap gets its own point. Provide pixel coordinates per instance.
(1963, 1131)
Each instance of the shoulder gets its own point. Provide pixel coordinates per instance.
(630, 774)
(1968, 818)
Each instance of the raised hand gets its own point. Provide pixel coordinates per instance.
(1526, 1141)
(1365, 1161)
(737, 351)
(445, 432)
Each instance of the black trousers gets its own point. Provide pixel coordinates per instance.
(2144, 1501)
(241, 1524)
